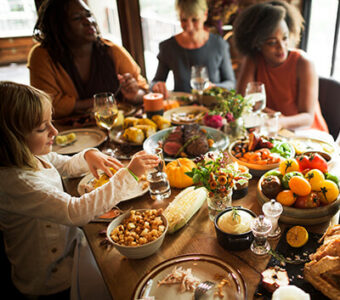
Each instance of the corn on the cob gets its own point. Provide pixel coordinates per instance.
(184, 206)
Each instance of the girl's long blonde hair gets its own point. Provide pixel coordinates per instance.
(21, 110)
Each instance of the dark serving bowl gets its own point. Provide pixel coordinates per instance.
(230, 241)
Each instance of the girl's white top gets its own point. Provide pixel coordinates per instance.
(39, 220)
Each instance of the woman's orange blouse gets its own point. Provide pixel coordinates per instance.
(55, 81)
(281, 88)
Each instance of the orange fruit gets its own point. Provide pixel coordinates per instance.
(297, 236)
(286, 197)
(300, 186)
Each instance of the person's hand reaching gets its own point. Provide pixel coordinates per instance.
(142, 162)
(160, 87)
(100, 161)
(129, 86)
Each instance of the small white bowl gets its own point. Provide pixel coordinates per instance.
(136, 252)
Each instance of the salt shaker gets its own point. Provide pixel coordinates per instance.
(260, 227)
(273, 210)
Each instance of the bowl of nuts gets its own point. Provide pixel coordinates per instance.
(139, 233)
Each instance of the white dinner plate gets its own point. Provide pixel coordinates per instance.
(142, 184)
(180, 115)
(204, 267)
(85, 138)
(221, 140)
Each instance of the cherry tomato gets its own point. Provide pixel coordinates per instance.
(315, 178)
(303, 161)
(329, 192)
(289, 165)
(318, 162)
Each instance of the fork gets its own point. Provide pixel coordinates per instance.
(202, 288)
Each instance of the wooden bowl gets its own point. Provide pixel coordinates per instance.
(302, 216)
(255, 170)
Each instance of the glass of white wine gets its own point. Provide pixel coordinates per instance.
(105, 114)
(199, 80)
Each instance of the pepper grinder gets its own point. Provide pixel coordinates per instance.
(260, 227)
(273, 210)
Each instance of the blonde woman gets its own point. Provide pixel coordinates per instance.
(193, 46)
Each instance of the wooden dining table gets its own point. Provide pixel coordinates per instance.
(198, 236)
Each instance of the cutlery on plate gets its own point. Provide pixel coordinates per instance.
(202, 288)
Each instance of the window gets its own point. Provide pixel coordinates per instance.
(106, 14)
(159, 22)
(321, 38)
(17, 18)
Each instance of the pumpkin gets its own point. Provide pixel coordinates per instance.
(176, 172)
(170, 104)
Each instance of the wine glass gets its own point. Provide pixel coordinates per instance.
(256, 94)
(199, 80)
(105, 114)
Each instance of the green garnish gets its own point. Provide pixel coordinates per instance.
(195, 137)
(235, 213)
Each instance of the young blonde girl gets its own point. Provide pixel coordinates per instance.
(38, 219)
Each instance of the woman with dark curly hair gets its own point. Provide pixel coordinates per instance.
(72, 62)
(266, 34)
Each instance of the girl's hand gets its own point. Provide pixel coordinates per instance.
(98, 160)
(141, 162)
(129, 85)
(160, 87)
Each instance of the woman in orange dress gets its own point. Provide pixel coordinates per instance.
(264, 34)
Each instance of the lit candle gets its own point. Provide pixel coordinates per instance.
(153, 104)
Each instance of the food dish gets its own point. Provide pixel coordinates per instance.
(141, 250)
(85, 138)
(128, 109)
(89, 177)
(182, 97)
(117, 136)
(302, 216)
(221, 141)
(303, 144)
(235, 242)
(185, 114)
(205, 267)
(257, 170)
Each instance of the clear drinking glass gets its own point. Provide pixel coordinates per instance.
(199, 80)
(159, 186)
(273, 210)
(105, 113)
(271, 123)
(260, 227)
(256, 94)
